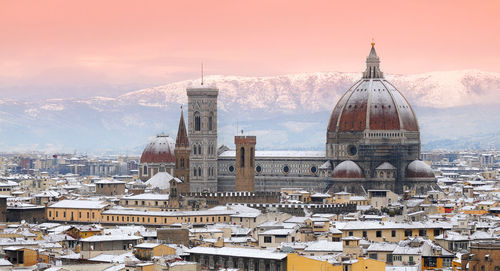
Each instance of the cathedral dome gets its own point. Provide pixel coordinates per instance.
(419, 169)
(348, 169)
(159, 150)
(372, 103)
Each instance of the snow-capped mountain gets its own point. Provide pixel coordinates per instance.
(456, 109)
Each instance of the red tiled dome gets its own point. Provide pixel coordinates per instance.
(348, 169)
(372, 103)
(159, 150)
(419, 169)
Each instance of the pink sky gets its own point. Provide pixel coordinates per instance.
(96, 45)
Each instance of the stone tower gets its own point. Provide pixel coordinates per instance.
(245, 163)
(202, 127)
(182, 151)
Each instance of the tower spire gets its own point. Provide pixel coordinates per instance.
(373, 64)
(202, 73)
(182, 138)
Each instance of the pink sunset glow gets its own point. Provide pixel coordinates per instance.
(134, 44)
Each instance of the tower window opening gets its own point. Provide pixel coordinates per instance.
(197, 121)
(251, 156)
(210, 122)
(242, 157)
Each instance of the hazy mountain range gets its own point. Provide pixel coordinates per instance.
(455, 109)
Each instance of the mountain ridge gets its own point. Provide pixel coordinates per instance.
(444, 101)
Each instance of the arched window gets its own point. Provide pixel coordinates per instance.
(210, 121)
(182, 162)
(197, 121)
(194, 172)
(199, 150)
(199, 171)
(194, 149)
(242, 157)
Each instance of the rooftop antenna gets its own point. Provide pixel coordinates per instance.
(202, 73)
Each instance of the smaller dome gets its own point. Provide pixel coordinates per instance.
(419, 169)
(159, 150)
(386, 166)
(348, 169)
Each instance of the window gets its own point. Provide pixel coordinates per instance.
(242, 157)
(378, 233)
(144, 170)
(197, 121)
(393, 233)
(194, 172)
(351, 233)
(407, 233)
(437, 232)
(267, 239)
(422, 232)
(210, 121)
(182, 162)
(50, 213)
(365, 234)
(251, 156)
(199, 171)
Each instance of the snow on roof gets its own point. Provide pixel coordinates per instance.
(131, 211)
(160, 180)
(277, 232)
(386, 166)
(381, 246)
(147, 196)
(47, 193)
(108, 238)
(109, 181)
(239, 252)
(118, 267)
(326, 165)
(79, 204)
(292, 154)
(324, 245)
(147, 245)
(357, 225)
(297, 219)
(108, 258)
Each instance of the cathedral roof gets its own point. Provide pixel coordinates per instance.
(159, 150)
(419, 169)
(372, 103)
(348, 169)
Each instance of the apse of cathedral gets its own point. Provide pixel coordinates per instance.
(372, 143)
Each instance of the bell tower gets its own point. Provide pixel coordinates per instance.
(202, 129)
(245, 163)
